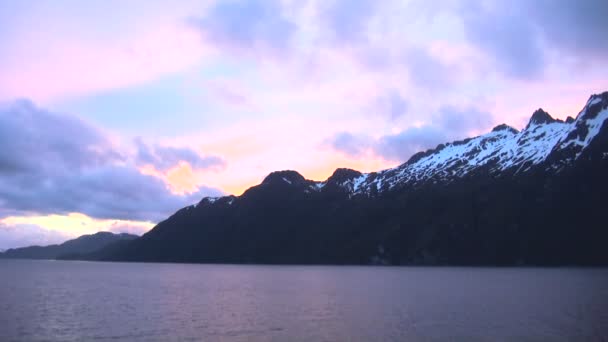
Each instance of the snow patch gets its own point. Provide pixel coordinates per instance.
(594, 125)
(211, 200)
(594, 101)
(357, 182)
(318, 186)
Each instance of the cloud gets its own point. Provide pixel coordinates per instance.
(350, 144)
(518, 34)
(247, 25)
(402, 145)
(457, 122)
(506, 35)
(574, 27)
(54, 164)
(397, 105)
(28, 134)
(363, 30)
(447, 124)
(426, 71)
(348, 20)
(392, 105)
(47, 61)
(164, 158)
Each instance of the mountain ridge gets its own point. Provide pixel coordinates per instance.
(506, 197)
(81, 245)
(536, 127)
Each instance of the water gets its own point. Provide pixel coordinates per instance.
(82, 301)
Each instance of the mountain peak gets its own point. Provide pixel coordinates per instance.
(504, 127)
(285, 176)
(540, 117)
(343, 174)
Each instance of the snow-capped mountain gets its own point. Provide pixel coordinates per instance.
(502, 151)
(535, 196)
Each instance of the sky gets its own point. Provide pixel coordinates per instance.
(114, 114)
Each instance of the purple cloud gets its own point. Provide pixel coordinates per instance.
(426, 71)
(507, 36)
(54, 164)
(577, 27)
(389, 105)
(407, 142)
(448, 123)
(398, 105)
(29, 136)
(247, 25)
(350, 144)
(459, 122)
(348, 20)
(519, 33)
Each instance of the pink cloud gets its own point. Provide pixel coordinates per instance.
(50, 66)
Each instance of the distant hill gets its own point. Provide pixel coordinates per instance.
(508, 197)
(81, 245)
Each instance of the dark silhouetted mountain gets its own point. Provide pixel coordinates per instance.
(81, 245)
(530, 197)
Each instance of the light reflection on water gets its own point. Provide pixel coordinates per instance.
(76, 301)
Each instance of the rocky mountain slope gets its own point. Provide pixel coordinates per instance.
(509, 197)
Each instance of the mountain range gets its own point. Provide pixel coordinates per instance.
(81, 245)
(508, 197)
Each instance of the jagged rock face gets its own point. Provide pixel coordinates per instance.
(540, 117)
(507, 197)
(582, 131)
